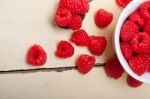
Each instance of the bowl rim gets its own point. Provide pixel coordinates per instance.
(131, 7)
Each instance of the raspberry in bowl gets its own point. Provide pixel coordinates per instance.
(132, 40)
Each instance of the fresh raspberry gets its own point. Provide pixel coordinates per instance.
(85, 63)
(128, 31)
(36, 56)
(123, 3)
(127, 50)
(76, 22)
(144, 9)
(103, 18)
(140, 64)
(137, 18)
(147, 27)
(141, 43)
(80, 38)
(97, 45)
(148, 70)
(133, 82)
(113, 68)
(75, 6)
(64, 49)
(63, 17)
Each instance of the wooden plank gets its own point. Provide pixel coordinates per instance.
(27, 22)
(68, 85)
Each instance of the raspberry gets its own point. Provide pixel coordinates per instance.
(76, 22)
(147, 27)
(140, 64)
(126, 50)
(137, 18)
(80, 38)
(103, 18)
(75, 6)
(113, 68)
(97, 45)
(128, 31)
(63, 17)
(123, 3)
(133, 82)
(36, 56)
(148, 70)
(141, 43)
(85, 63)
(64, 49)
(144, 9)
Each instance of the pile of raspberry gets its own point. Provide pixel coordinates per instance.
(69, 15)
(135, 39)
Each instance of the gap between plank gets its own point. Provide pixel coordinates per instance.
(58, 69)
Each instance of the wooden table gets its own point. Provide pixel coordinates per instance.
(26, 22)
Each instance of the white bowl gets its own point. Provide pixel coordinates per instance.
(145, 78)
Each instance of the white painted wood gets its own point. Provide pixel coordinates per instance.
(68, 85)
(27, 22)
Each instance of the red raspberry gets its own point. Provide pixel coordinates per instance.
(141, 43)
(126, 50)
(76, 22)
(148, 70)
(97, 45)
(36, 55)
(123, 3)
(133, 82)
(85, 63)
(140, 64)
(137, 18)
(75, 6)
(64, 49)
(113, 68)
(80, 38)
(147, 27)
(128, 31)
(63, 17)
(144, 9)
(103, 18)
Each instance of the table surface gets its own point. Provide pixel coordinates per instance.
(26, 22)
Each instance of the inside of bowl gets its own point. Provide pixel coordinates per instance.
(126, 12)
